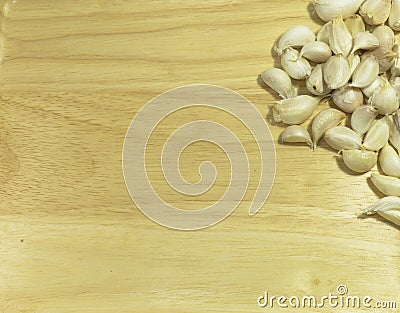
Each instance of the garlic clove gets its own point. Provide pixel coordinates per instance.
(366, 72)
(362, 119)
(359, 161)
(315, 83)
(317, 51)
(385, 36)
(323, 33)
(355, 24)
(364, 41)
(378, 83)
(389, 186)
(297, 36)
(395, 82)
(294, 65)
(342, 138)
(336, 71)
(280, 82)
(354, 60)
(296, 134)
(377, 136)
(389, 161)
(328, 10)
(385, 100)
(375, 12)
(295, 110)
(394, 17)
(385, 58)
(340, 39)
(388, 208)
(395, 69)
(394, 131)
(348, 98)
(323, 121)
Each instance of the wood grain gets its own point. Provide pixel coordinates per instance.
(73, 75)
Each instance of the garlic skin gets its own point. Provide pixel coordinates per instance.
(389, 186)
(294, 65)
(323, 33)
(336, 71)
(394, 17)
(364, 41)
(328, 10)
(348, 98)
(359, 161)
(362, 119)
(340, 39)
(377, 136)
(385, 100)
(296, 134)
(315, 83)
(323, 121)
(377, 84)
(280, 82)
(389, 160)
(355, 24)
(295, 110)
(342, 138)
(375, 12)
(317, 51)
(297, 36)
(385, 36)
(366, 72)
(388, 208)
(354, 60)
(394, 138)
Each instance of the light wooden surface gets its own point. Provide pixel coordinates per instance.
(73, 75)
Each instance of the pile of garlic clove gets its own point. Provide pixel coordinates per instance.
(354, 60)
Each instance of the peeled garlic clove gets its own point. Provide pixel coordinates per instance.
(389, 161)
(354, 60)
(348, 98)
(297, 36)
(294, 65)
(388, 208)
(296, 134)
(377, 84)
(342, 138)
(364, 41)
(366, 72)
(316, 51)
(394, 131)
(325, 120)
(385, 100)
(340, 39)
(295, 110)
(328, 10)
(375, 12)
(385, 36)
(359, 161)
(355, 24)
(315, 82)
(385, 58)
(323, 33)
(394, 17)
(377, 136)
(389, 186)
(362, 118)
(336, 71)
(280, 82)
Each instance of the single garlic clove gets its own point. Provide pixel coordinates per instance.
(377, 136)
(295, 110)
(354, 60)
(317, 51)
(395, 82)
(348, 98)
(323, 121)
(394, 17)
(359, 161)
(296, 66)
(385, 100)
(280, 82)
(355, 24)
(315, 83)
(388, 208)
(385, 58)
(297, 36)
(340, 39)
(364, 41)
(375, 12)
(389, 186)
(336, 71)
(389, 161)
(296, 134)
(328, 10)
(385, 36)
(394, 131)
(323, 33)
(342, 138)
(366, 72)
(395, 69)
(362, 119)
(377, 84)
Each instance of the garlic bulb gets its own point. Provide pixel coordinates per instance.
(295, 110)
(364, 41)
(375, 12)
(389, 160)
(336, 71)
(324, 120)
(342, 138)
(366, 72)
(317, 51)
(328, 10)
(297, 36)
(377, 136)
(385, 36)
(385, 100)
(280, 82)
(323, 33)
(389, 186)
(377, 84)
(348, 98)
(359, 161)
(296, 134)
(362, 118)
(340, 39)
(294, 65)
(315, 82)
(355, 24)
(394, 17)
(388, 208)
